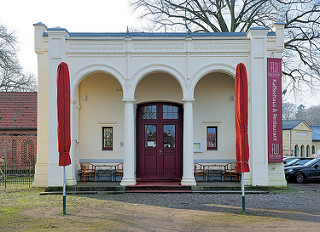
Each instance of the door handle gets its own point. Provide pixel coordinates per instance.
(160, 151)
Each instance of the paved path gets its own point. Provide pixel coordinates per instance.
(299, 202)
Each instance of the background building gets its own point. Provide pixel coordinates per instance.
(300, 139)
(18, 127)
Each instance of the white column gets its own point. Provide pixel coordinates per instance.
(129, 148)
(188, 159)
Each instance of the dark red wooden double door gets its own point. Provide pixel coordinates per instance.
(159, 141)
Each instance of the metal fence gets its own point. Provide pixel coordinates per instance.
(16, 174)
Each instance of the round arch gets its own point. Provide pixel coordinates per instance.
(156, 68)
(296, 150)
(302, 152)
(79, 75)
(308, 151)
(211, 68)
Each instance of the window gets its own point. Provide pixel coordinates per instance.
(296, 150)
(302, 151)
(212, 143)
(313, 150)
(308, 151)
(170, 112)
(149, 112)
(107, 138)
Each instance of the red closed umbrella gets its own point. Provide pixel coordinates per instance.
(63, 110)
(241, 122)
(63, 119)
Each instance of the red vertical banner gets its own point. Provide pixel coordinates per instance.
(274, 104)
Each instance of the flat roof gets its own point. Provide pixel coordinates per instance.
(154, 34)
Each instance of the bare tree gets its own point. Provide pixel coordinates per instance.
(301, 18)
(11, 76)
(289, 111)
(301, 113)
(311, 115)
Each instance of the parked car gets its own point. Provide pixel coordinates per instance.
(298, 161)
(287, 159)
(306, 172)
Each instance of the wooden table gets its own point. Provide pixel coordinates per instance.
(105, 170)
(215, 169)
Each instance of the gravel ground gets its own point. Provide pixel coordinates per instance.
(299, 202)
(294, 209)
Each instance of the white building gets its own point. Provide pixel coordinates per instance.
(154, 95)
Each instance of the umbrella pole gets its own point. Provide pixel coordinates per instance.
(64, 190)
(242, 190)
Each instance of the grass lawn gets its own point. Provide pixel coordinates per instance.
(23, 209)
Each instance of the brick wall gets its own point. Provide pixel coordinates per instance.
(18, 146)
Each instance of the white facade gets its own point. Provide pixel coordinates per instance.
(117, 71)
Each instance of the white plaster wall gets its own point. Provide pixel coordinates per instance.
(286, 142)
(103, 108)
(214, 106)
(158, 87)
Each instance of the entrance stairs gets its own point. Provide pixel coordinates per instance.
(158, 187)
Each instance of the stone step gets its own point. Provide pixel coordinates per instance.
(165, 188)
(82, 192)
(157, 191)
(231, 192)
(85, 188)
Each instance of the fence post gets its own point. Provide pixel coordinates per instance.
(5, 174)
(29, 172)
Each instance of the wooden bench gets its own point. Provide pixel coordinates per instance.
(230, 171)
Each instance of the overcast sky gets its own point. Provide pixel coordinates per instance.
(74, 15)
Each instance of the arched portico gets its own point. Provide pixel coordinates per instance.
(96, 105)
(132, 59)
(156, 68)
(214, 118)
(158, 86)
(211, 68)
(79, 74)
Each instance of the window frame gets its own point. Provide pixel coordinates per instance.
(212, 148)
(103, 147)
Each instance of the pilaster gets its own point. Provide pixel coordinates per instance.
(56, 38)
(41, 168)
(258, 106)
(278, 28)
(39, 29)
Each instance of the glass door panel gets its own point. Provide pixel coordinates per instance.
(150, 135)
(169, 136)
